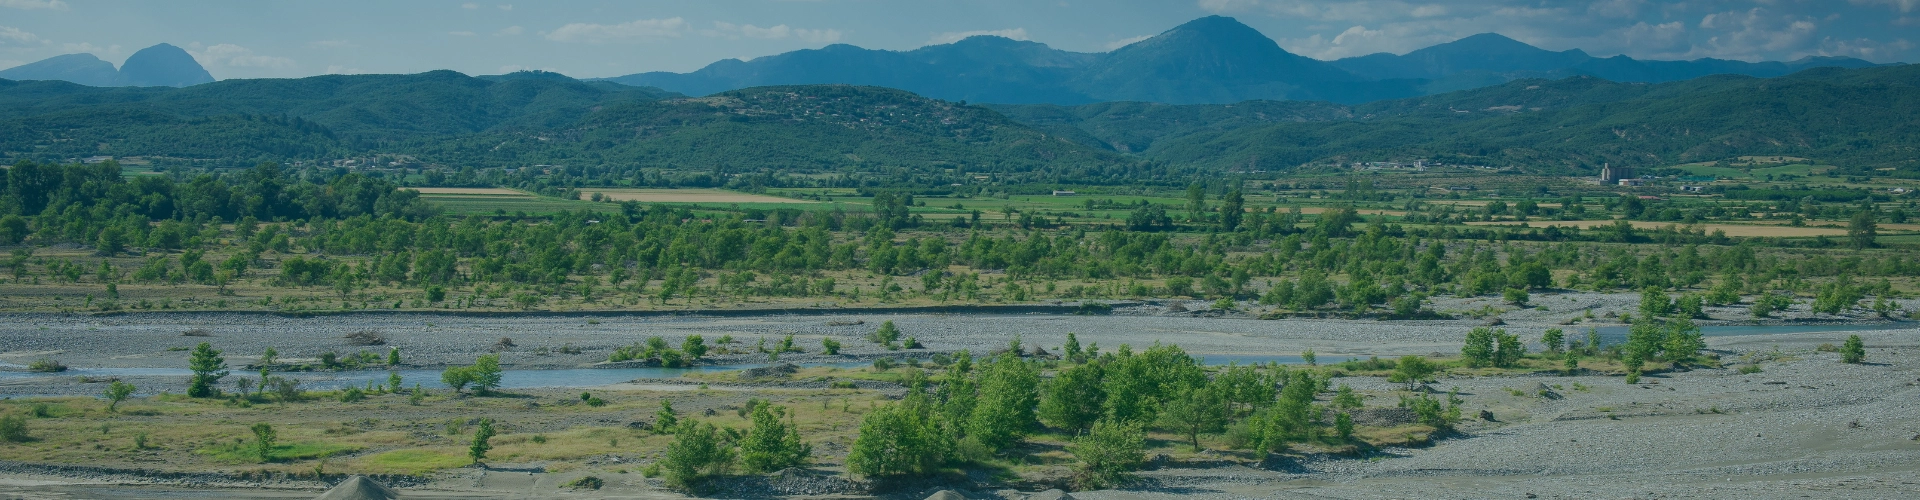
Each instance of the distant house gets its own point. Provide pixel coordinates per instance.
(1064, 193)
(96, 159)
(1633, 182)
(1690, 189)
(1609, 174)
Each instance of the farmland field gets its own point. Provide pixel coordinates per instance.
(690, 196)
(1736, 230)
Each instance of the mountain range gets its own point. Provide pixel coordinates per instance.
(161, 65)
(1859, 119)
(1211, 60)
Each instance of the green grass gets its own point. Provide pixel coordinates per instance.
(242, 452)
(416, 461)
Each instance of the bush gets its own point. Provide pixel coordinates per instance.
(1854, 351)
(586, 483)
(771, 444)
(899, 439)
(263, 438)
(116, 392)
(830, 346)
(887, 334)
(352, 395)
(13, 429)
(208, 367)
(1108, 454)
(46, 365)
(1517, 297)
(696, 452)
(366, 338)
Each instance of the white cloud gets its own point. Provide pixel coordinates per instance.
(343, 70)
(89, 48)
(779, 32)
(510, 31)
(34, 4)
(469, 6)
(672, 27)
(460, 33)
(955, 36)
(1116, 44)
(1900, 5)
(332, 44)
(11, 36)
(235, 56)
(1756, 34)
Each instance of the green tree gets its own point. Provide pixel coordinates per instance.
(486, 373)
(1690, 306)
(457, 377)
(1343, 425)
(13, 428)
(1193, 411)
(1196, 200)
(695, 346)
(1232, 208)
(208, 367)
(117, 392)
(1655, 303)
(829, 346)
(1508, 350)
(393, 356)
(1854, 350)
(1479, 347)
(664, 421)
(263, 438)
(1862, 231)
(1517, 297)
(1683, 342)
(482, 441)
(1108, 454)
(899, 439)
(1554, 339)
(1072, 400)
(1005, 411)
(887, 334)
(1412, 370)
(772, 444)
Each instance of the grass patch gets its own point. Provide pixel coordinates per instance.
(415, 461)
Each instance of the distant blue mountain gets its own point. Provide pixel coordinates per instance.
(161, 65)
(1208, 60)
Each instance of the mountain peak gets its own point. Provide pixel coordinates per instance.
(82, 68)
(163, 65)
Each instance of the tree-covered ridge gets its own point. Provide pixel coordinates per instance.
(1862, 118)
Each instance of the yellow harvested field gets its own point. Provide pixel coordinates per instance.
(686, 196)
(1741, 230)
(471, 191)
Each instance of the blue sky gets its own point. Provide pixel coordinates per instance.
(253, 39)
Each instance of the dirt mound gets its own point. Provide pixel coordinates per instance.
(359, 488)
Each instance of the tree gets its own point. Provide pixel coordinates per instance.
(664, 421)
(1683, 342)
(829, 346)
(116, 393)
(486, 373)
(263, 438)
(1107, 453)
(1193, 411)
(1690, 306)
(898, 439)
(1517, 297)
(772, 444)
(13, 428)
(208, 367)
(1853, 351)
(1412, 370)
(457, 377)
(1479, 347)
(887, 334)
(1862, 230)
(1655, 303)
(1196, 200)
(697, 451)
(1508, 349)
(695, 346)
(393, 356)
(482, 441)
(1232, 208)
(1072, 399)
(1005, 411)
(1555, 340)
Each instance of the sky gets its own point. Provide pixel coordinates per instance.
(585, 39)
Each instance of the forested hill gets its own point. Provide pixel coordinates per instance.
(1862, 118)
(531, 118)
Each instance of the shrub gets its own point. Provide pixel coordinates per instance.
(586, 483)
(46, 365)
(366, 338)
(1854, 351)
(1517, 297)
(887, 334)
(1750, 369)
(482, 438)
(771, 444)
(263, 438)
(899, 439)
(13, 429)
(208, 367)
(352, 395)
(696, 452)
(1412, 370)
(1108, 454)
(830, 346)
(116, 392)
(1479, 347)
